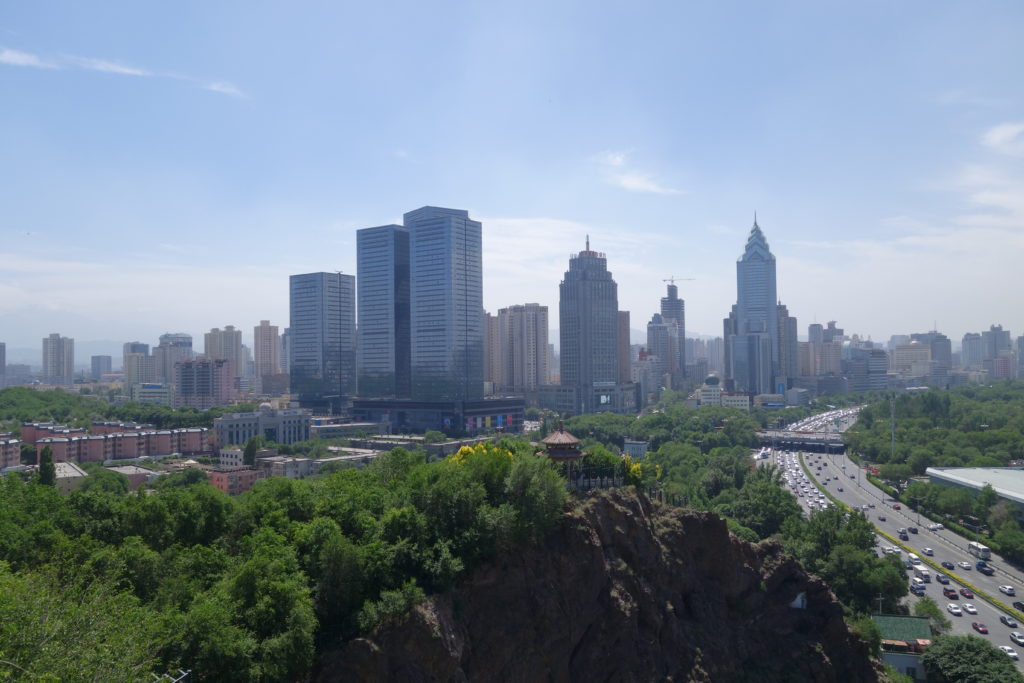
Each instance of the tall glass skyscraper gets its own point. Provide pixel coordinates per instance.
(751, 331)
(322, 340)
(383, 358)
(445, 304)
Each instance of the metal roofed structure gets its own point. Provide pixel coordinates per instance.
(1007, 482)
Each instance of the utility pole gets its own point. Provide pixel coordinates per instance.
(880, 599)
(892, 422)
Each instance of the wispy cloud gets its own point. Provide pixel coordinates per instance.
(18, 58)
(1006, 138)
(619, 173)
(107, 66)
(12, 57)
(963, 97)
(224, 88)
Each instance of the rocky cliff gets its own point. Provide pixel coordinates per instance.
(623, 590)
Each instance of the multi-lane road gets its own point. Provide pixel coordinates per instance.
(845, 482)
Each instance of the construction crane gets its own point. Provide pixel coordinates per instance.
(671, 279)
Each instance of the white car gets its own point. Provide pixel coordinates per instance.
(1007, 589)
(1017, 637)
(936, 527)
(964, 565)
(1010, 652)
(970, 609)
(928, 551)
(954, 609)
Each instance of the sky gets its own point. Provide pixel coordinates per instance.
(166, 166)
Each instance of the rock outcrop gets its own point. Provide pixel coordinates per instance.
(623, 590)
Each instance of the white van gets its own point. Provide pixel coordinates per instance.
(914, 559)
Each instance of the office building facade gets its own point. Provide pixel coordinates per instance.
(522, 335)
(322, 340)
(58, 359)
(384, 357)
(445, 304)
(589, 332)
(751, 331)
(266, 349)
(173, 346)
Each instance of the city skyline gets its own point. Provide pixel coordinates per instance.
(154, 156)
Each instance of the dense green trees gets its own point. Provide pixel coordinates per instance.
(974, 426)
(240, 589)
(967, 659)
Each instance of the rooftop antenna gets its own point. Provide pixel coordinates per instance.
(588, 241)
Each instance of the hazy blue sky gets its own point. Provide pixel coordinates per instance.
(166, 166)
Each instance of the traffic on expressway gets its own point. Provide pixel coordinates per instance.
(943, 553)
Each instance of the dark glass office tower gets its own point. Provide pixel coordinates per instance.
(446, 304)
(322, 334)
(383, 357)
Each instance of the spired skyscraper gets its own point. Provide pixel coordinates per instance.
(589, 335)
(753, 358)
(322, 345)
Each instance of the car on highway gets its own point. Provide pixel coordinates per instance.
(966, 566)
(1007, 621)
(881, 518)
(1018, 605)
(969, 608)
(928, 551)
(1017, 637)
(948, 565)
(840, 489)
(950, 593)
(979, 627)
(1010, 652)
(987, 570)
(966, 592)
(912, 529)
(904, 537)
(917, 589)
(1008, 590)
(941, 578)
(895, 506)
(954, 610)
(901, 531)
(936, 527)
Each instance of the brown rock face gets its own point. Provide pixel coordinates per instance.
(626, 591)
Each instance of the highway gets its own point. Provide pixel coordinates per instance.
(834, 472)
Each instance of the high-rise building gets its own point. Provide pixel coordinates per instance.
(173, 346)
(136, 364)
(972, 351)
(522, 348)
(445, 304)
(101, 365)
(58, 359)
(716, 355)
(203, 383)
(266, 349)
(995, 341)
(589, 332)
(673, 310)
(663, 348)
(226, 344)
(789, 357)
(383, 357)
(3, 365)
(752, 328)
(625, 355)
(322, 340)
(832, 333)
(941, 348)
(492, 352)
